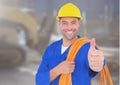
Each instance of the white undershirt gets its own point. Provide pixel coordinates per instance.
(63, 49)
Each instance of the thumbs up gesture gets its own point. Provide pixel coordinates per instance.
(95, 57)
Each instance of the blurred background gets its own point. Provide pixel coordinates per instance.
(27, 27)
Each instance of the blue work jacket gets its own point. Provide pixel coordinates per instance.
(82, 74)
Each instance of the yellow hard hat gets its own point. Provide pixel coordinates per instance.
(69, 10)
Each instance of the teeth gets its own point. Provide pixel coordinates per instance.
(69, 32)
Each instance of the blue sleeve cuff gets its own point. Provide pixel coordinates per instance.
(43, 78)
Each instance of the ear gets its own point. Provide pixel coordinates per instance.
(79, 23)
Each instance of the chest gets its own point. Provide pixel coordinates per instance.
(56, 58)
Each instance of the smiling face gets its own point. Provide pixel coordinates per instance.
(69, 27)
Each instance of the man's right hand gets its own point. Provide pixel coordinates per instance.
(66, 67)
(62, 68)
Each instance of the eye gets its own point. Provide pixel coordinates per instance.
(73, 22)
(64, 23)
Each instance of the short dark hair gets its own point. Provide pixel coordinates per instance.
(75, 17)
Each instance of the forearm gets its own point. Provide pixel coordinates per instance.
(63, 68)
(54, 74)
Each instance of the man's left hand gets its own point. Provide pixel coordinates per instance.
(95, 57)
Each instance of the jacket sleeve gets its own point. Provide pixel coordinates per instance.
(43, 73)
(93, 73)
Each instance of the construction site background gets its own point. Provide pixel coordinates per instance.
(27, 27)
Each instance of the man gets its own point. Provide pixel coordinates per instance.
(88, 61)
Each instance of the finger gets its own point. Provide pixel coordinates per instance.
(97, 63)
(72, 62)
(72, 69)
(95, 59)
(97, 68)
(72, 66)
(92, 44)
(97, 53)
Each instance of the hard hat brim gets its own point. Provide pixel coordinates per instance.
(58, 17)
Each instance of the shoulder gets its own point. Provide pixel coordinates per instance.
(85, 42)
(51, 48)
(54, 44)
(86, 45)
(84, 48)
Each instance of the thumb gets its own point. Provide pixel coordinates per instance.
(92, 44)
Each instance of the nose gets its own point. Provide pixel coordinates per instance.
(69, 27)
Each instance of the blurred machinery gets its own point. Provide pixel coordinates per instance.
(17, 30)
(20, 30)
